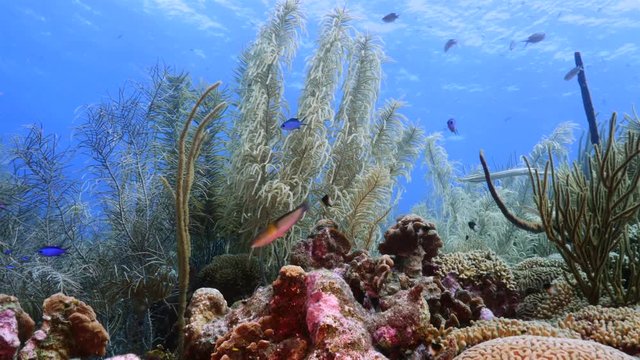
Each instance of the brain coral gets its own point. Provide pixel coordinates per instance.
(531, 275)
(617, 327)
(541, 348)
(559, 299)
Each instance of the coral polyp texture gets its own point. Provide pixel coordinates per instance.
(617, 327)
(541, 348)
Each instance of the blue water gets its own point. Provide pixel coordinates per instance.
(58, 55)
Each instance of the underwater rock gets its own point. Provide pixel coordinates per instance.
(69, 329)
(234, 275)
(336, 322)
(26, 325)
(206, 306)
(413, 241)
(541, 347)
(325, 248)
(403, 321)
(277, 331)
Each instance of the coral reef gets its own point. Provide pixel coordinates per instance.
(69, 329)
(534, 274)
(559, 298)
(413, 241)
(484, 330)
(25, 325)
(541, 347)
(206, 306)
(326, 247)
(482, 273)
(617, 327)
(234, 275)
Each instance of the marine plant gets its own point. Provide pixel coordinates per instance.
(587, 215)
(455, 202)
(270, 172)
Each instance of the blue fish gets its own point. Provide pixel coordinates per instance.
(451, 124)
(292, 124)
(25, 258)
(7, 252)
(50, 251)
(10, 267)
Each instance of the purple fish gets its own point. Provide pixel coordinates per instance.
(451, 124)
(391, 17)
(291, 124)
(534, 38)
(50, 251)
(450, 43)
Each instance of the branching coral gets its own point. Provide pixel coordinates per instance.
(184, 181)
(586, 215)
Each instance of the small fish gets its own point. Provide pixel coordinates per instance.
(572, 73)
(512, 45)
(450, 43)
(451, 124)
(391, 17)
(326, 200)
(551, 289)
(10, 267)
(472, 225)
(25, 258)
(280, 226)
(291, 124)
(534, 38)
(50, 251)
(3, 206)
(7, 252)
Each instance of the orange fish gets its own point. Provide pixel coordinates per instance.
(280, 226)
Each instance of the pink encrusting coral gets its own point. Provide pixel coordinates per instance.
(336, 322)
(9, 341)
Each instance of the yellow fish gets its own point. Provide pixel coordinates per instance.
(280, 226)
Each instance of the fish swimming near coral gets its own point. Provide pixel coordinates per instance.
(391, 17)
(51, 251)
(472, 225)
(450, 43)
(292, 124)
(572, 73)
(280, 226)
(534, 38)
(326, 200)
(451, 125)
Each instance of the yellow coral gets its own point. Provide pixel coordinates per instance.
(617, 327)
(542, 348)
(531, 275)
(472, 266)
(486, 330)
(560, 298)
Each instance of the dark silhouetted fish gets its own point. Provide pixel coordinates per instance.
(326, 200)
(450, 43)
(391, 17)
(472, 225)
(573, 72)
(512, 45)
(534, 38)
(451, 124)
